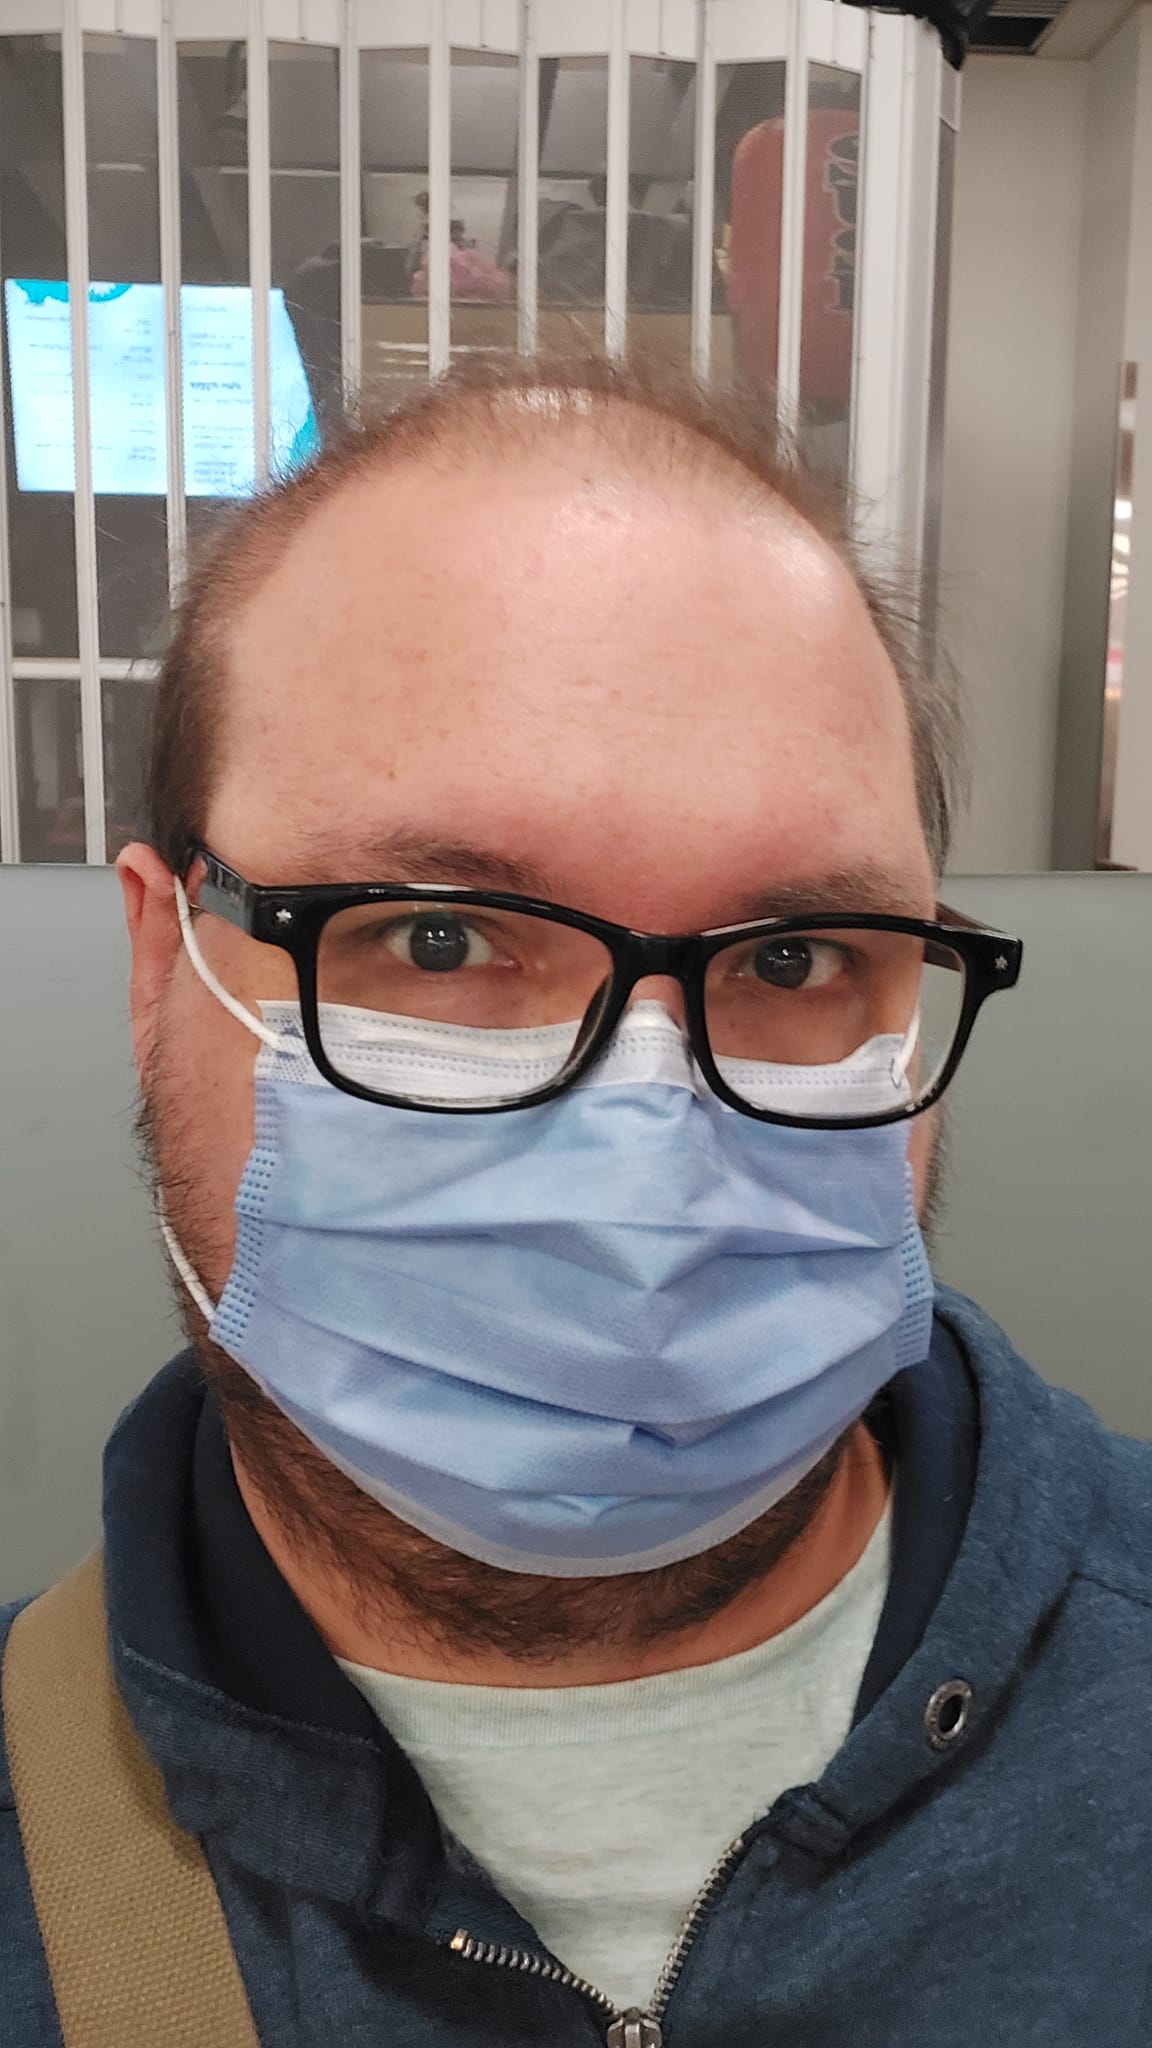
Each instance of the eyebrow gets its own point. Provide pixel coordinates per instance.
(415, 857)
(866, 888)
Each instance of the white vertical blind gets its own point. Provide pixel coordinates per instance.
(877, 450)
(704, 192)
(616, 205)
(259, 237)
(168, 151)
(792, 218)
(76, 228)
(439, 189)
(922, 172)
(528, 180)
(351, 228)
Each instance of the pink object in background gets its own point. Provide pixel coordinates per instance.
(473, 276)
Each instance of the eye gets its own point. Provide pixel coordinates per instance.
(793, 963)
(437, 942)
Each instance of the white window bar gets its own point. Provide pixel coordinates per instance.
(704, 193)
(879, 366)
(259, 237)
(35, 668)
(792, 219)
(858, 279)
(351, 229)
(920, 268)
(903, 370)
(9, 793)
(616, 204)
(439, 192)
(76, 229)
(168, 153)
(528, 186)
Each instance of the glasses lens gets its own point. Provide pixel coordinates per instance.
(833, 1024)
(451, 1003)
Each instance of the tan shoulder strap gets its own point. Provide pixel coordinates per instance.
(132, 1927)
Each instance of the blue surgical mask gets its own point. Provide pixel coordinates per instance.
(590, 1337)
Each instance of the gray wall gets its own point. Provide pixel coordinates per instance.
(84, 1316)
(1049, 1221)
(1009, 423)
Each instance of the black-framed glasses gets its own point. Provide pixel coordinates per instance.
(470, 1001)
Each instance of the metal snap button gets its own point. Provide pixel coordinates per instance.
(948, 1713)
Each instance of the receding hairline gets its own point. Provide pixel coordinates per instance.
(659, 423)
(510, 429)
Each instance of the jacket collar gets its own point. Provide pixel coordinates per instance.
(1037, 1483)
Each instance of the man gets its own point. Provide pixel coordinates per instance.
(572, 1590)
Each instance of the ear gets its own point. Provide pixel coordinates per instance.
(154, 933)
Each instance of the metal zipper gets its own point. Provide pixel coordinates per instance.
(465, 1944)
(634, 2028)
(677, 1956)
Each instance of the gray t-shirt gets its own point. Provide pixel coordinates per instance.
(601, 1809)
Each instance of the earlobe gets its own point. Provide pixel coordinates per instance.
(154, 934)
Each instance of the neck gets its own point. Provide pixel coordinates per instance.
(829, 1546)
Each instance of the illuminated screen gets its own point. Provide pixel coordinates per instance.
(126, 358)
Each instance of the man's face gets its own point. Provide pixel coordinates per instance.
(658, 701)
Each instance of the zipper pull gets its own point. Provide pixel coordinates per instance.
(635, 2029)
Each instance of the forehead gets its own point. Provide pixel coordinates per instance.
(596, 671)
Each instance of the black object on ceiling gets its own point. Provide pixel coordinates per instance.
(957, 22)
(1016, 25)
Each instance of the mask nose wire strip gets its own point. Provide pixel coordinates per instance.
(192, 947)
(185, 1269)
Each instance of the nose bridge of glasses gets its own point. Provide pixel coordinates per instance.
(658, 968)
(661, 954)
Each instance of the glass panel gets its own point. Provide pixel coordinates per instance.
(482, 257)
(1117, 606)
(49, 770)
(573, 185)
(829, 293)
(126, 343)
(216, 318)
(127, 708)
(748, 216)
(304, 124)
(394, 152)
(37, 343)
(662, 142)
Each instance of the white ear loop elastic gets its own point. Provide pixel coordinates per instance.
(259, 1029)
(192, 947)
(186, 1270)
(902, 1060)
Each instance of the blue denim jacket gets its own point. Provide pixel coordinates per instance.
(994, 1889)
